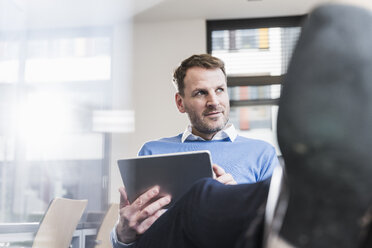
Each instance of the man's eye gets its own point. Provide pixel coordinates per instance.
(199, 93)
(220, 90)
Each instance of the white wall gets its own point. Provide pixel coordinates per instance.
(158, 48)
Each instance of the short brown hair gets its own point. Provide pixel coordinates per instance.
(202, 60)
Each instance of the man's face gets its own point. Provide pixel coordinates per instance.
(205, 101)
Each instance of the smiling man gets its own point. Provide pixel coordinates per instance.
(202, 94)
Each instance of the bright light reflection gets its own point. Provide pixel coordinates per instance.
(68, 69)
(44, 117)
(113, 121)
(9, 71)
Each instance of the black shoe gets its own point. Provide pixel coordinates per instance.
(325, 132)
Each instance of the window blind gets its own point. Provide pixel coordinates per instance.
(256, 53)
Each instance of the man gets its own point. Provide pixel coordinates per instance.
(202, 94)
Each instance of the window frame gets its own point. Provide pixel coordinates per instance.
(252, 23)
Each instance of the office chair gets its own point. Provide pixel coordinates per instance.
(103, 234)
(59, 223)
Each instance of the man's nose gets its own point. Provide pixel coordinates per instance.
(212, 100)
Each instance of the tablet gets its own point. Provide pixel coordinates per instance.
(174, 173)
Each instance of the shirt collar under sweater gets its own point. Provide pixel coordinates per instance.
(229, 131)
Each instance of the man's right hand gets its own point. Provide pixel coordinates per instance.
(137, 217)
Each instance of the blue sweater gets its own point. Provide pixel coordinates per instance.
(247, 160)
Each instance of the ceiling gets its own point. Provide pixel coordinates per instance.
(164, 10)
(68, 13)
(29, 14)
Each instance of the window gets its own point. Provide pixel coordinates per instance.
(256, 53)
(52, 83)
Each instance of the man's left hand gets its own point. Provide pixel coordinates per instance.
(220, 175)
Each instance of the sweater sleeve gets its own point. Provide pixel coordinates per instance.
(269, 164)
(116, 243)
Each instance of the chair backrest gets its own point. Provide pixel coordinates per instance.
(103, 235)
(59, 223)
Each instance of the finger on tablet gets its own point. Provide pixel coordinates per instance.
(146, 197)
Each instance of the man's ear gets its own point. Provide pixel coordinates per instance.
(179, 103)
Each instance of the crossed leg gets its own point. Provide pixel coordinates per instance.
(211, 215)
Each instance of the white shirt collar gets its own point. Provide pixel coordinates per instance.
(229, 131)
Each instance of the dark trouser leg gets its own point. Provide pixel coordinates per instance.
(209, 215)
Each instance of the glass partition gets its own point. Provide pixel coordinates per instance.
(56, 74)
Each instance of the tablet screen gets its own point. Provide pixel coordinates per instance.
(174, 173)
